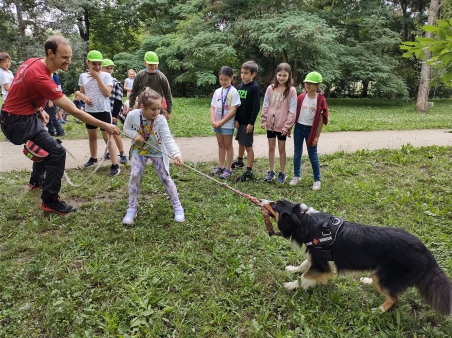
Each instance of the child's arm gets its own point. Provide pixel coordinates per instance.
(85, 97)
(125, 86)
(6, 86)
(318, 131)
(168, 140)
(265, 110)
(212, 115)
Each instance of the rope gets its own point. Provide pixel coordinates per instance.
(99, 164)
(256, 201)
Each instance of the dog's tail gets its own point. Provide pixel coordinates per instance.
(436, 289)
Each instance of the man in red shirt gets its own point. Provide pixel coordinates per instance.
(29, 91)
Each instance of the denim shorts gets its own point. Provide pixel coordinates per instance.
(223, 131)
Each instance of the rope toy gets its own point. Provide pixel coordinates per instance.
(271, 231)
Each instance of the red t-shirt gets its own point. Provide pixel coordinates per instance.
(31, 83)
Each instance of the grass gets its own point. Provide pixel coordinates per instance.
(218, 274)
(191, 117)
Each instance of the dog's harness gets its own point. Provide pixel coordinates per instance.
(321, 246)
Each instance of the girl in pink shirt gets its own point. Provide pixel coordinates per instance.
(278, 117)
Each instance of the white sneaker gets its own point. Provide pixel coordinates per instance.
(316, 185)
(179, 215)
(295, 180)
(128, 218)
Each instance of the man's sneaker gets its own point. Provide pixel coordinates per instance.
(226, 173)
(270, 176)
(247, 176)
(91, 161)
(295, 180)
(128, 218)
(316, 185)
(60, 207)
(237, 164)
(33, 187)
(281, 178)
(107, 156)
(179, 215)
(122, 159)
(114, 170)
(217, 171)
(60, 134)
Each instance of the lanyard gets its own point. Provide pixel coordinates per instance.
(277, 102)
(223, 100)
(145, 135)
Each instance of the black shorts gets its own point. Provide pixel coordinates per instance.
(104, 116)
(245, 140)
(273, 134)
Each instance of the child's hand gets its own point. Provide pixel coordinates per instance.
(264, 125)
(178, 161)
(315, 141)
(139, 138)
(249, 128)
(216, 125)
(236, 124)
(95, 75)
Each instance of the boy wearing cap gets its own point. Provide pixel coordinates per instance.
(95, 90)
(312, 114)
(116, 107)
(154, 79)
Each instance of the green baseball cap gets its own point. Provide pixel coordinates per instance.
(95, 56)
(107, 62)
(151, 58)
(313, 77)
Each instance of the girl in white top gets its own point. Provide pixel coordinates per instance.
(95, 89)
(152, 139)
(6, 76)
(223, 107)
(128, 83)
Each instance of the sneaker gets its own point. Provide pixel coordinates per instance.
(295, 180)
(90, 162)
(62, 121)
(237, 164)
(270, 176)
(226, 173)
(33, 187)
(60, 207)
(122, 159)
(217, 171)
(114, 170)
(247, 176)
(60, 134)
(128, 218)
(107, 156)
(179, 216)
(316, 185)
(281, 178)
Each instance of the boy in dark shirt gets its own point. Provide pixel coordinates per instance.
(246, 117)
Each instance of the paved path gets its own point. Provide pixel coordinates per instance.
(204, 149)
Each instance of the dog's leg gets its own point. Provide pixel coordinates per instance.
(390, 301)
(366, 280)
(301, 269)
(305, 283)
(310, 279)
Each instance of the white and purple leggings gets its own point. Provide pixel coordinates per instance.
(138, 164)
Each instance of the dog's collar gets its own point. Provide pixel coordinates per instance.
(322, 244)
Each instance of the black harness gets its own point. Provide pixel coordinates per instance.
(321, 246)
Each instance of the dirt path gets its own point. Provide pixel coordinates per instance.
(204, 149)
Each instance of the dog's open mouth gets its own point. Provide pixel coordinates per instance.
(270, 207)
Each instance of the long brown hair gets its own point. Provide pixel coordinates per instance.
(288, 84)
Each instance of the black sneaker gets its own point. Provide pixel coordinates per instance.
(61, 134)
(237, 164)
(60, 207)
(281, 178)
(247, 176)
(90, 162)
(114, 170)
(107, 156)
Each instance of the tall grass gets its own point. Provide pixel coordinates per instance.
(218, 274)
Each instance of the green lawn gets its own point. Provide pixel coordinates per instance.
(191, 117)
(218, 274)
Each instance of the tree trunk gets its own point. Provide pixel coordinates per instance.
(365, 89)
(422, 94)
(22, 28)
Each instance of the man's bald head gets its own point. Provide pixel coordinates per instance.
(53, 42)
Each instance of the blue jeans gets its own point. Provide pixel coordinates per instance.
(301, 133)
(54, 124)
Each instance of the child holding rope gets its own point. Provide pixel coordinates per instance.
(223, 107)
(278, 117)
(151, 139)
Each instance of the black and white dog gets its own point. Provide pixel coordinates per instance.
(395, 258)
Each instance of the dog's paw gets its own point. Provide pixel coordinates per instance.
(291, 285)
(308, 283)
(366, 280)
(292, 268)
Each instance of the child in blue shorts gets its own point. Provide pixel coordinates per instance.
(223, 107)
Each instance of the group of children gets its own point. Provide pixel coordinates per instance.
(282, 109)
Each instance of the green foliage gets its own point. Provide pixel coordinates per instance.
(440, 46)
(218, 274)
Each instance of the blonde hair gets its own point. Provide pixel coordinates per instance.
(147, 96)
(130, 70)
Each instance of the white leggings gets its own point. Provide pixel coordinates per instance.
(138, 164)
